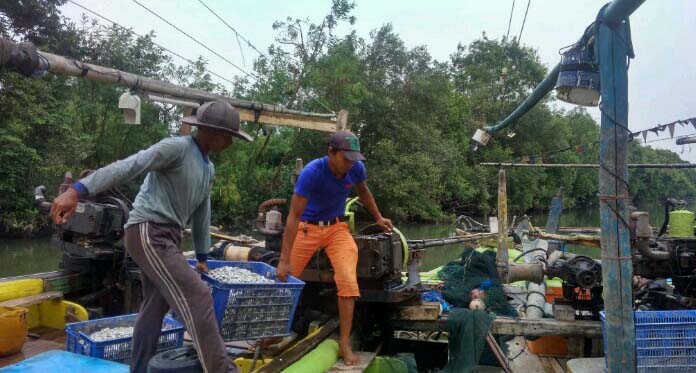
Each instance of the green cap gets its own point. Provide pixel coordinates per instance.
(348, 143)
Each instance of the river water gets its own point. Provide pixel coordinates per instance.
(25, 256)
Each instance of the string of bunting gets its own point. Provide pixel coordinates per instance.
(582, 148)
(662, 127)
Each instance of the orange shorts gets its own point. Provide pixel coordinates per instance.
(339, 246)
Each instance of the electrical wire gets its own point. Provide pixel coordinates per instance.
(585, 145)
(523, 22)
(158, 45)
(529, 252)
(196, 40)
(507, 35)
(239, 36)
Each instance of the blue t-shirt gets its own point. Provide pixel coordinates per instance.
(326, 194)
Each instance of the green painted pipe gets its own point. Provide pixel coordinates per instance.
(539, 92)
(319, 360)
(404, 245)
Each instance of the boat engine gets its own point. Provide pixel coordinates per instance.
(380, 263)
(91, 242)
(91, 239)
(577, 271)
(670, 262)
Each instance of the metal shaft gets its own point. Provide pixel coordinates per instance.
(584, 165)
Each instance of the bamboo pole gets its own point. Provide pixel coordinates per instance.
(67, 66)
(502, 252)
(584, 165)
(40, 62)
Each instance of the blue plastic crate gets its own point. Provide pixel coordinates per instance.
(665, 340)
(79, 341)
(252, 311)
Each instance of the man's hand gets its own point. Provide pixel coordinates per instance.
(63, 206)
(385, 224)
(282, 271)
(202, 266)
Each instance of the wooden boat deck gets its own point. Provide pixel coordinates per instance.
(49, 339)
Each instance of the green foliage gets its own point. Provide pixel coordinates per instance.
(413, 114)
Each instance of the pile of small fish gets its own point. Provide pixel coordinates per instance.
(108, 334)
(234, 275)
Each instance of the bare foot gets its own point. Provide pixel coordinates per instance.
(349, 358)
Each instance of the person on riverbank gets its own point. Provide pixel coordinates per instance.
(175, 193)
(317, 209)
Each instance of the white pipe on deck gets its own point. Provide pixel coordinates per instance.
(536, 293)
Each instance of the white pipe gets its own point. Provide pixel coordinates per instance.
(536, 293)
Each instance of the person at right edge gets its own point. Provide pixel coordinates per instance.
(317, 209)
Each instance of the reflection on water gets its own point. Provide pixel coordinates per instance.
(18, 257)
(24, 256)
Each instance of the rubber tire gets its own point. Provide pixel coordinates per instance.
(178, 360)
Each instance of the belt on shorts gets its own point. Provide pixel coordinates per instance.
(326, 223)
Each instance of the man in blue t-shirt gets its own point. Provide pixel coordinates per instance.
(318, 209)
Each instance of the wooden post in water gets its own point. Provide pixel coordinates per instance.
(612, 51)
(501, 257)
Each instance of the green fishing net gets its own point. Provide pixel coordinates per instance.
(468, 329)
(475, 270)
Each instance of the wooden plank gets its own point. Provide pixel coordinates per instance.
(557, 365)
(550, 365)
(425, 311)
(546, 327)
(365, 360)
(510, 326)
(318, 124)
(66, 282)
(32, 299)
(296, 352)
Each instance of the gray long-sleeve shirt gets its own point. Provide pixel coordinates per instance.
(176, 189)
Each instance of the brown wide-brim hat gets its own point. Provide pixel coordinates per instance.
(220, 116)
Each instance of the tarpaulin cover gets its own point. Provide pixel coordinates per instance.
(65, 362)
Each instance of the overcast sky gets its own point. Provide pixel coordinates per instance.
(661, 77)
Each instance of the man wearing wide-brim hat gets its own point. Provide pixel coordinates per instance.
(175, 194)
